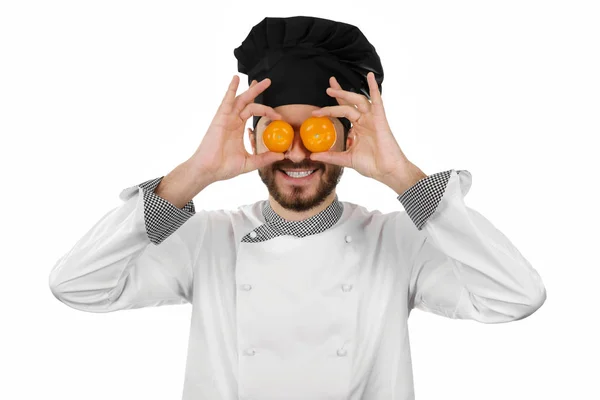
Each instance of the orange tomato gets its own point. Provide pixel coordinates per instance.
(278, 136)
(318, 134)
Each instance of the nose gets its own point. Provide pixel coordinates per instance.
(297, 152)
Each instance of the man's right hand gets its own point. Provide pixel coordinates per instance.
(221, 154)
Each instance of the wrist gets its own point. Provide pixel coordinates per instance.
(198, 175)
(405, 179)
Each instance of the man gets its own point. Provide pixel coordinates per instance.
(301, 296)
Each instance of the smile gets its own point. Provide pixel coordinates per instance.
(297, 175)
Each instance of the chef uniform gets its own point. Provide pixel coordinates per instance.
(314, 309)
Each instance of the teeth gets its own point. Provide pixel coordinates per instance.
(298, 174)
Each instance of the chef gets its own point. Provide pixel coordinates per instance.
(301, 295)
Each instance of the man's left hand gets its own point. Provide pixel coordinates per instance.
(373, 152)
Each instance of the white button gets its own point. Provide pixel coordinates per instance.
(348, 238)
(246, 287)
(253, 234)
(250, 352)
(342, 352)
(346, 288)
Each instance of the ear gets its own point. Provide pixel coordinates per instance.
(251, 136)
(349, 139)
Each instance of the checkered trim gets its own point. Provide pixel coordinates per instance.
(162, 218)
(277, 226)
(421, 200)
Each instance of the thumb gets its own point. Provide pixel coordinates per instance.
(261, 160)
(332, 157)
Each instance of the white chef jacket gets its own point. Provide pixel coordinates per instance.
(322, 316)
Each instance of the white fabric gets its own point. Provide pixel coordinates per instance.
(320, 317)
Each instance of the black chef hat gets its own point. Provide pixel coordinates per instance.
(299, 54)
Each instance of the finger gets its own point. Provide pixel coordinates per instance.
(351, 98)
(374, 90)
(256, 161)
(249, 95)
(229, 98)
(339, 111)
(341, 158)
(334, 84)
(254, 82)
(254, 109)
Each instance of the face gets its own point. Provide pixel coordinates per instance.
(298, 194)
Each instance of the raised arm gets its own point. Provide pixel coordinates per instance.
(143, 253)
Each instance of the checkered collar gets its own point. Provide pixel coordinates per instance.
(277, 226)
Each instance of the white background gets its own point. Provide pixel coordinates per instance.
(99, 96)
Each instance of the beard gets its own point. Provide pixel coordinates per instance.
(301, 197)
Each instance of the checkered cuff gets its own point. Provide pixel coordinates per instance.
(421, 200)
(162, 218)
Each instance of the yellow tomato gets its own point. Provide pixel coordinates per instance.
(278, 136)
(318, 134)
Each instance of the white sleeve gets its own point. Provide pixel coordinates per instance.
(140, 254)
(462, 266)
